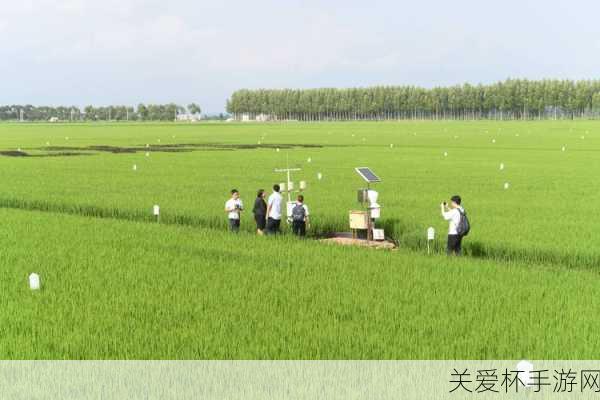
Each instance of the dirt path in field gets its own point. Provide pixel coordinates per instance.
(63, 151)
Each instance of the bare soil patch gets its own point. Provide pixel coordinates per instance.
(346, 239)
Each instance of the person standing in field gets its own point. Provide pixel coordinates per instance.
(300, 217)
(458, 224)
(274, 211)
(260, 212)
(234, 208)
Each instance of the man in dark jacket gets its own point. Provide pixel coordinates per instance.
(260, 212)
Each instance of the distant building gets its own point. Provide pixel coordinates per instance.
(188, 117)
(263, 118)
(247, 117)
(53, 119)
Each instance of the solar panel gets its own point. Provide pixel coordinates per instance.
(367, 174)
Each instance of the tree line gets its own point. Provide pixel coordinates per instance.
(510, 99)
(143, 112)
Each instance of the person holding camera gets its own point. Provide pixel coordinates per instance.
(234, 208)
(458, 224)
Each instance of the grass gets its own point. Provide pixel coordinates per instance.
(121, 286)
(116, 289)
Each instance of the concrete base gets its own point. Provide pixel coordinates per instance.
(345, 238)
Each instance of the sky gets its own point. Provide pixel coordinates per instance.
(79, 52)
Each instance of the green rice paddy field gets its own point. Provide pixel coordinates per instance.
(118, 285)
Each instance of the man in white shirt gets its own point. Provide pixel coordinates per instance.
(453, 215)
(274, 211)
(233, 208)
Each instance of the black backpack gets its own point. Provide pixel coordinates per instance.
(464, 226)
(298, 213)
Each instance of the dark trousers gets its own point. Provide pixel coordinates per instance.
(299, 228)
(273, 225)
(234, 225)
(261, 221)
(454, 245)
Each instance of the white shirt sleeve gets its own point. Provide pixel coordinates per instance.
(448, 215)
(306, 210)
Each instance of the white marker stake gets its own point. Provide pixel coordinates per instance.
(147, 154)
(319, 176)
(430, 237)
(309, 160)
(506, 185)
(501, 166)
(135, 167)
(525, 367)
(156, 212)
(564, 148)
(445, 154)
(34, 281)
(278, 149)
(493, 140)
(147, 145)
(391, 146)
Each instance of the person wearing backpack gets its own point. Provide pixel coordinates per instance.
(458, 224)
(299, 217)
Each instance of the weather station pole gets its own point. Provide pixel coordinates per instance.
(288, 170)
(289, 187)
(369, 199)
